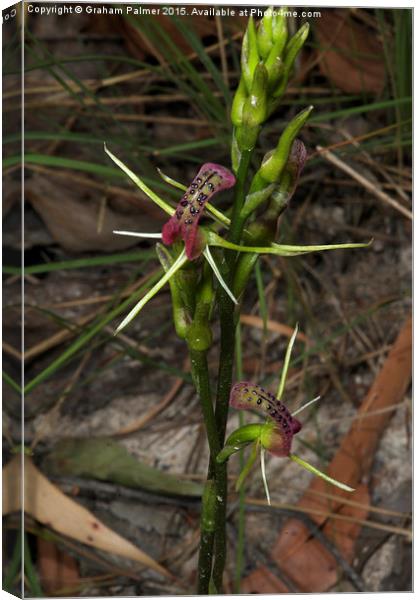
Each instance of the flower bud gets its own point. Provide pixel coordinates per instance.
(239, 100)
(264, 34)
(292, 49)
(272, 167)
(255, 107)
(275, 66)
(279, 29)
(250, 54)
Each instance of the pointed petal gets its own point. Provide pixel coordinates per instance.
(284, 371)
(217, 273)
(279, 249)
(140, 183)
(178, 264)
(262, 468)
(306, 405)
(171, 181)
(320, 474)
(153, 236)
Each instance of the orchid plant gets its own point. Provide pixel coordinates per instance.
(208, 256)
(276, 435)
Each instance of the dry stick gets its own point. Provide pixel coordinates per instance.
(63, 334)
(273, 326)
(58, 338)
(347, 501)
(112, 189)
(178, 121)
(358, 138)
(331, 515)
(144, 419)
(373, 163)
(371, 187)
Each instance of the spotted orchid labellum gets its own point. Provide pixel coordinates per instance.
(276, 435)
(245, 395)
(211, 178)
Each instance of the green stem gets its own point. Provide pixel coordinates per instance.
(199, 366)
(200, 376)
(209, 500)
(228, 321)
(242, 507)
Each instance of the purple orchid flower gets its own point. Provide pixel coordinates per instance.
(245, 396)
(211, 178)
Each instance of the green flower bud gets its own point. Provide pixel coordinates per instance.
(293, 48)
(264, 34)
(275, 66)
(279, 29)
(250, 54)
(247, 137)
(272, 167)
(255, 107)
(239, 100)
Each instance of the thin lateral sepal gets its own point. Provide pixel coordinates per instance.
(306, 405)
(279, 249)
(263, 470)
(171, 181)
(178, 264)
(140, 184)
(320, 474)
(152, 236)
(217, 273)
(287, 359)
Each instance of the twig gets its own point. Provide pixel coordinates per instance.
(371, 187)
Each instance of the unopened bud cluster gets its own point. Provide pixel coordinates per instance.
(266, 62)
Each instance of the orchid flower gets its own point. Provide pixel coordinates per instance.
(183, 225)
(276, 435)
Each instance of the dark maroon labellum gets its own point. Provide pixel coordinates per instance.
(245, 395)
(211, 178)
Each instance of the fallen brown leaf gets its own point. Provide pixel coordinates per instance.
(351, 56)
(72, 218)
(47, 504)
